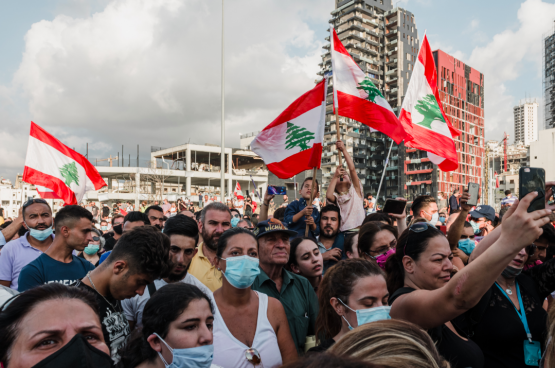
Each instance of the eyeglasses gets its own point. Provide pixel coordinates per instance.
(253, 357)
(418, 227)
(530, 249)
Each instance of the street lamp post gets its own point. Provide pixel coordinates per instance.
(222, 158)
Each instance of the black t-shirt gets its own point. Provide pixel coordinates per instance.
(495, 326)
(323, 347)
(459, 353)
(115, 326)
(110, 242)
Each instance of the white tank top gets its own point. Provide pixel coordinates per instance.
(230, 352)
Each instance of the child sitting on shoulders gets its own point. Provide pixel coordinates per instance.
(301, 212)
(347, 194)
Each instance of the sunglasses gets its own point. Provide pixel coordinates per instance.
(96, 238)
(33, 201)
(418, 227)
(253, 357)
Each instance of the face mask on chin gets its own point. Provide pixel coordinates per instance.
(40, 235)
(511, 272)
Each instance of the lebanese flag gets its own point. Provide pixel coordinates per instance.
(238, 191)
(46, 193)
(292, 143)
(52, 164)
(423, 117)
(356, 97)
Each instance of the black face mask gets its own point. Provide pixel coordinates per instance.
(76, 353)
(118, 229)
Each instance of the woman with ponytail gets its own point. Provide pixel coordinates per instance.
(177, 330)
(351, 286)
(424, 293)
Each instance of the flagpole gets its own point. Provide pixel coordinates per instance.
(311, 197)
(222, 158)
(383, 173)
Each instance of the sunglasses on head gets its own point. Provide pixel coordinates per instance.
(418, 227)
(33, 201)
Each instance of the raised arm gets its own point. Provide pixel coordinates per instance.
(12, 229)
(456, 229)
(265, 205)
(331, 188)
(401, 219)
(351, 166)
(432, 308)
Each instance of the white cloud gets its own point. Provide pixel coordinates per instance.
(148, 71)
(505, 57)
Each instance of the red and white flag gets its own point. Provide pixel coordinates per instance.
(46, 193)
(423, 117)
(355, 96)
(238, 191)
(53, 165)
(292, 143)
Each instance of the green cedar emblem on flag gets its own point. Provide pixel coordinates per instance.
(370, 88)
(429, 108)
(70, 174)
(297, 137)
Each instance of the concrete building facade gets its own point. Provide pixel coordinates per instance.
(542, 153)
(384, 42)
(526, 122)
(548, 77)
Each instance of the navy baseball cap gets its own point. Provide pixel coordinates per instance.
(484, 211)
(272, 226)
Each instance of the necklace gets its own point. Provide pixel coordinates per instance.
(94, 287)
(509, 289)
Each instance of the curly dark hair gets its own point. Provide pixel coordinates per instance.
(164, 307)
(22, 304)
(378, 216)
(145, 249)
(135, 216)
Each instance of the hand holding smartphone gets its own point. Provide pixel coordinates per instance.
(532, 179)
(393, 206)
(473, 190)
(277, 190)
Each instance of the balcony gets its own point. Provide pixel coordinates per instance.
(391, 43)
(391, 33)
(392, 168)
(353, 134)
(391, 71)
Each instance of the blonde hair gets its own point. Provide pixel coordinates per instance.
(390, 344)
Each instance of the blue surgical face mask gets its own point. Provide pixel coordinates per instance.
(235, 221)
(199, 357)
(467, 246)
(104, 228)
(241, 271)
(40, 235)
(91, 249)
(475, 227)
(368, 315)
(442, 219)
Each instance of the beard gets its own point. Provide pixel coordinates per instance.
(328, 232)
(209, 239)
(174, 277)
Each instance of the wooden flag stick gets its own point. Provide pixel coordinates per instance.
(311, 197)
(338, 136)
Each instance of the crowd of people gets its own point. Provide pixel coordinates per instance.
(336, 285)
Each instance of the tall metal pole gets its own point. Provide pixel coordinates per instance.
(222, 161)
(383, 174)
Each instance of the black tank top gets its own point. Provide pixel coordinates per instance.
(459, 353)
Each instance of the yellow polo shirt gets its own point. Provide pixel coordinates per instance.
(203, 270)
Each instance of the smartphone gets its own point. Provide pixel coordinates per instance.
(473, 189)
(394, 206)
(532, 179)
(274, 189)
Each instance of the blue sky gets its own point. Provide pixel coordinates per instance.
(88, 70)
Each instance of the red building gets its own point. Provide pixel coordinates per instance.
(461, 90)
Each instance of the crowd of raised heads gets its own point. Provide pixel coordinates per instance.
(336, 283)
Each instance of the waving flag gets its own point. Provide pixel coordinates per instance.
(292, 143)
(53, 165)
(238, 192)
(423, 117)
(355, 96)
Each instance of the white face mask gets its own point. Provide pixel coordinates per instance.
(435, 218)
